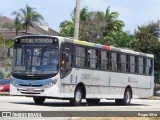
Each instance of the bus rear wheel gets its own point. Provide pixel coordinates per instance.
(39, 100)
(127, 98)
(76, 101)
(93, 101)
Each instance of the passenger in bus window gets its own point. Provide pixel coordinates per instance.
(62, 64)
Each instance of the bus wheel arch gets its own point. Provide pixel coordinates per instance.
(79, 94)
(126, 97)
(129, 87)
(83, 88)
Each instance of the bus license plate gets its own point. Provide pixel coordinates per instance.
(30, 90)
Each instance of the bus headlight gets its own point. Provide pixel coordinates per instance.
(53, 82)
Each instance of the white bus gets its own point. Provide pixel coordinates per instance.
(63, 68)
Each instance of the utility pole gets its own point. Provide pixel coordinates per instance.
(76, 28)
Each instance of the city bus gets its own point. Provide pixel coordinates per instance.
(54, 67)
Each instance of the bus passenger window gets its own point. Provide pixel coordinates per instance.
(63, 61)
(69, 59)
(80, 57)
(114, 61)
(148, 66)
(118, 62)
(104, 60)
(132, 64)
(140, 65)
(123, 63)
(92, 58)
(66, 61)
(151, 67)
(98, 58)
(127, 65)
(136, 65)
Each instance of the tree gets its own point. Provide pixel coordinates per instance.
(112, 22)
(91, 29)
(121, 39)
(94, 26)
(18, 25)
(4, 44)
(147, 42)
(67, 29)
(28, 16)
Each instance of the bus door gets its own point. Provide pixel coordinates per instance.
(66, 63)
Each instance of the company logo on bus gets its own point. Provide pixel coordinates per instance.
(86, 76)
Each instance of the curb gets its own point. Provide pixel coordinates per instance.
(4, 93)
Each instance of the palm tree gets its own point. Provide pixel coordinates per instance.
(121, 39)
(18, 25)
(67, 29)
(112, 23)
(28, 16)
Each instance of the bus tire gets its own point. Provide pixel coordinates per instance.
(127, 98)
(93, 101)
(39, 100)
(76, 101)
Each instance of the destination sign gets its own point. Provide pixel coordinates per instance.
(36, 40)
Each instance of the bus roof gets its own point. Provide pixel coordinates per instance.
(105, 47)
(85, 43)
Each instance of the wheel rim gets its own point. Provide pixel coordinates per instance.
(127, 97)
(78, 96)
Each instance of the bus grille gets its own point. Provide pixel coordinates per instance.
(25, 91)
(31, 85)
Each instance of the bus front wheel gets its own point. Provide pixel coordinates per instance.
(127, 98)
(76, 101)
(39, 100)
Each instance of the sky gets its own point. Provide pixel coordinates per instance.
(132, 12)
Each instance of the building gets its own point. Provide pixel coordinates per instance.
(8, 31)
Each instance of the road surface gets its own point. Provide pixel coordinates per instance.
(19, 104)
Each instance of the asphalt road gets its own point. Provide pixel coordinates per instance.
(19, 104)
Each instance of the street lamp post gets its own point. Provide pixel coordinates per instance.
(76, 28)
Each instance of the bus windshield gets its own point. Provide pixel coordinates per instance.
(32, 59)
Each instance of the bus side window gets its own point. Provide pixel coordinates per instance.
(151, 67)
(127, 63)
(118, 62)
(92, 58)
(132, 64)
(114, 61)
(104, 60)
(136, 65)
(80, 57)
(148, 67)
(123, 63)
(140, 63)
(63, 61)
(67, 60)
